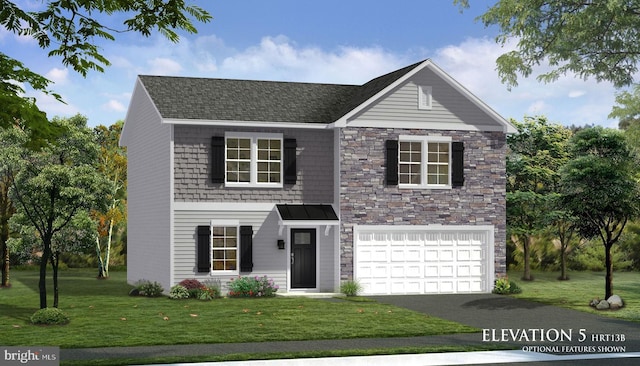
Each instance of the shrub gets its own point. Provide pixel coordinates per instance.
(191, 284)
(350, 288)
(178, 292)
(49, 316)
(213, 288)
(252, 287)
(505, 287)
(149, 289)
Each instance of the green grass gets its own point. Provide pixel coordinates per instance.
(102, 314)
(580, 289)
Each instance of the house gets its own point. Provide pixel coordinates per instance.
(398, 183)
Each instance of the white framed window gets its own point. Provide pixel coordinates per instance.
(424, 97)
(224, 248)
(424, 162)
(253, 159)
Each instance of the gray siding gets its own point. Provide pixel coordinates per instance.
(193, 164)
(365, 199)
(328, 272)
(267, 258)
(149, 192)
(448, 105)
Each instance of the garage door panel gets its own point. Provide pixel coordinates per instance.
(422, 261)
(476, 271)
(406, 287)
(447, 270)
(380, 272)
(431, 255)
(447, 287)
(431, 271)
(446, 255)
(463, 271)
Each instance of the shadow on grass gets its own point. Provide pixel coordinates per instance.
(75, 283)
(19, 313)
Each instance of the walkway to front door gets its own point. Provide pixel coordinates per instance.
(303, 258)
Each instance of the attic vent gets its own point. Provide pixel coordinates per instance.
(424, 97)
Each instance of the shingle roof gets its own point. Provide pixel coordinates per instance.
(268, 101)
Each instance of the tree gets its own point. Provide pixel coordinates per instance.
(563, 227)
(54, 185)
(534, 156)
(599, 187)
(68, 29)
(589, 38)
(113, 165)
(628, 109)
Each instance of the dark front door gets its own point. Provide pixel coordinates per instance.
(303, 258)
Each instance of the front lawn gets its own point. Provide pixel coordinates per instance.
(102, 314)
(580, 289)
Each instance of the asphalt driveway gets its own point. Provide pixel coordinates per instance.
(519, 321)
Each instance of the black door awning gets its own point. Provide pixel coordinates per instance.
(306, 212)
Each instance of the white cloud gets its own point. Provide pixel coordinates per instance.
(58, 76)
(114, 106)
(163, 66)
(279, 58)
(53, 107)
(576, 93)
(120, 61)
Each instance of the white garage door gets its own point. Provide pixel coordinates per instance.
(424, 260)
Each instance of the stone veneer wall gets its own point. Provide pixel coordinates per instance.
(192, 168)
(365, 199)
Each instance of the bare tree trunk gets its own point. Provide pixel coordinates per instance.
(101, 273)
(55, 261)
(42, 284)
(5, 265)
(108, 253)
(526, 246)
(609, 276)
(563, 262)
(6, 211)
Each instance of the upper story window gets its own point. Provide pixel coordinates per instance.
(253, 159)
(424, 162)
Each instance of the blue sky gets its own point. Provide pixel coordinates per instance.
(330, 41)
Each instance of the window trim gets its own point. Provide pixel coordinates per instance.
(253, 165)
(224, 224)
(425, 140)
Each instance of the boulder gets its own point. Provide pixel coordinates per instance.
(615, 302)
(603, 305)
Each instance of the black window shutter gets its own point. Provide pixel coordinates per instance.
(392, 162)
(246, 248)
(457, 164)
(217, 159)
(203, 249)
(290, 171)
